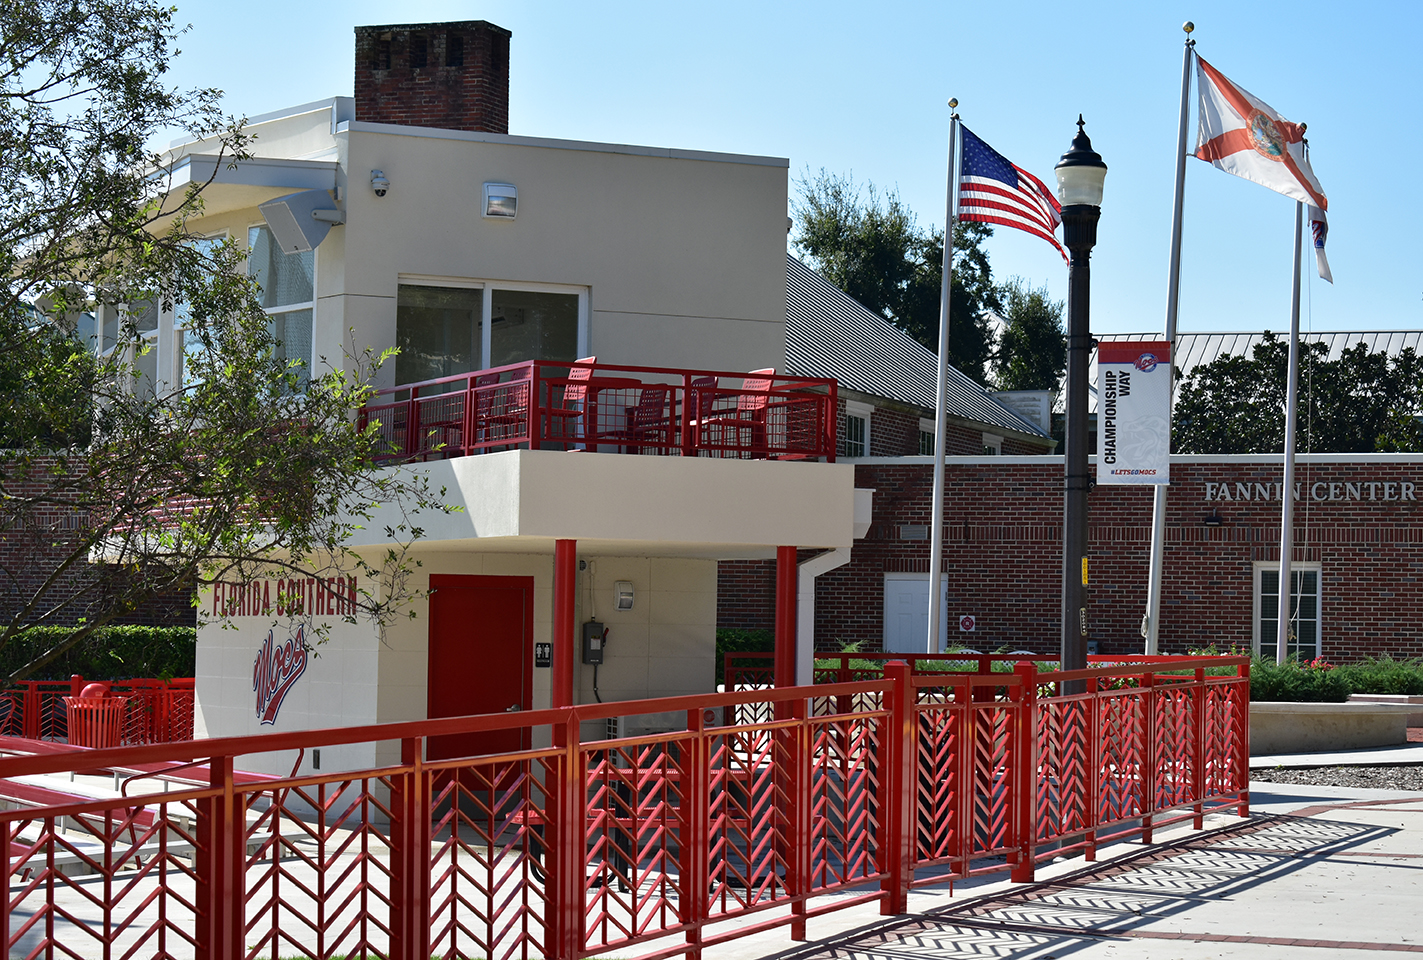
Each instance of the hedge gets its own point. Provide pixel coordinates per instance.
(110, 653)
(740, 641)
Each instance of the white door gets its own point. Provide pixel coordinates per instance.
(906, 612)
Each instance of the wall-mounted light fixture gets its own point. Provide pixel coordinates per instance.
(379, 183)
(501, 201)
(1214, 520)
(622, 590)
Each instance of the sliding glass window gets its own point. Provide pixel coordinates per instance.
(288, 283)
(438, 331)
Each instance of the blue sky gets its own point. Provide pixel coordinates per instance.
(862, 88)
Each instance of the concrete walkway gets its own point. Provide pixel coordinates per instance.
(1314, 872)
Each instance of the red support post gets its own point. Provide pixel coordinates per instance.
(787, 574)
(1094, 764)
(694, 842)
(565, 591)
(219, 861)
(966, 772)
(410, 867)
(1147, 778)
(898, 750)
(1198, 748)
(564, 887)
(1025, 785)
(1240, 706)
(798, 874)
(32, 710)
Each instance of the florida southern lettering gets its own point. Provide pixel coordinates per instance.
(314, 596)
(1378, 491)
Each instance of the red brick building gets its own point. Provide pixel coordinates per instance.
(1358, 536)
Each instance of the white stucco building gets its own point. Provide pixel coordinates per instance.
(639, 256)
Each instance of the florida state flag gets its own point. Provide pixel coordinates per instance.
(1241, 134)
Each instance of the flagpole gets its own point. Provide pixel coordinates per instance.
(1287, 490)
(936, 515)
(1151, 622)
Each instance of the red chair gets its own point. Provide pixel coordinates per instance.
(648, 424)
(750, 415)
(572, 412)
(502, 408)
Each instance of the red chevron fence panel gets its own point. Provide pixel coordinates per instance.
(753, 808)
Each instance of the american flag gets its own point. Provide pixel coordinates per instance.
(992, 190)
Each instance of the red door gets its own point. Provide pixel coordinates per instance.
(481, 644)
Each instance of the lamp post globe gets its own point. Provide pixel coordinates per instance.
(1080, 177)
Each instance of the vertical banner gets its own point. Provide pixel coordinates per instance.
(1134, 412)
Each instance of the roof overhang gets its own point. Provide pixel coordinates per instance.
(521, 501)
(229, 185)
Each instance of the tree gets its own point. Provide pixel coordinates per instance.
(871, 246)
(1032, 350)
(253, 466)
(1363, 402)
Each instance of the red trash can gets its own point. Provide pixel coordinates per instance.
(95, 721)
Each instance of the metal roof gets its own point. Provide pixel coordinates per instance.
(829, 334)
(1194, 349)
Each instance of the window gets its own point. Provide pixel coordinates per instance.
(532, 325)
(1304, 606)
(288, 284)
(855, 435)
(992, 446)
(187, 341)
(437, 330)
(448, 327)
(926, 437)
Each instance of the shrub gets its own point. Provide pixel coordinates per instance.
(741, 641)
(111, 653)
(1384, 675)
(1313, 681)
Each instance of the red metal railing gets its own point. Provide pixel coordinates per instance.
(618, 408)
(645, 845)
(157, 711)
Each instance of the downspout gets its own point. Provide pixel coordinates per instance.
(807, 571)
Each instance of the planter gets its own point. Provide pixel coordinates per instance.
(1415, 719)
(1315, 727)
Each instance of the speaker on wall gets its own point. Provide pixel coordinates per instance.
(300, 221)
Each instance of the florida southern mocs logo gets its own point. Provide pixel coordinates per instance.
(276, 669)
(1146, 362)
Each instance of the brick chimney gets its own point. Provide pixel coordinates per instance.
(450, 75)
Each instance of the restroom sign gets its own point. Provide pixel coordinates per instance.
(967, 624)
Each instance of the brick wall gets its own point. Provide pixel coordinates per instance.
(1003, 555)
(32, 546)
(895, 433)
(449, 75)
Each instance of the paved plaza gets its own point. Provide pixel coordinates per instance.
(1314, 872)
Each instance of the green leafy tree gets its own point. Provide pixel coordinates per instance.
(255, 467)
(870, 245)
(1362, 402)
(1032, 350)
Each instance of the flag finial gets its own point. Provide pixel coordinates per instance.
(953, 105)
(1188, 26)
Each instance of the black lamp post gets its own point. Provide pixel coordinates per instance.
(1080, 174)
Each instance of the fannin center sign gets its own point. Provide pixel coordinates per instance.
(1377, 491)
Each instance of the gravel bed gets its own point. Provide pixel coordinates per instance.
(1377, 778)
